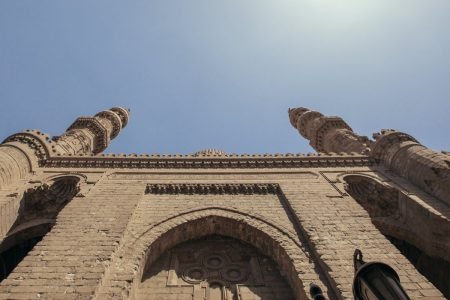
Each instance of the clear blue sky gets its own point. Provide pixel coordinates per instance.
(222, 74)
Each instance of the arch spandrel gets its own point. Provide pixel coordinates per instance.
(140, 250)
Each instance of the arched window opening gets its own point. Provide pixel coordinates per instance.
(38, 211)
(214, 267)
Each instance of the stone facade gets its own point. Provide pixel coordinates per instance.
(78, 224)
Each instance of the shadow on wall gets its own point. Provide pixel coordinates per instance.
(408, 225)
(38, 211)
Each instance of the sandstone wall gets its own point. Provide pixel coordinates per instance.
(105, 238)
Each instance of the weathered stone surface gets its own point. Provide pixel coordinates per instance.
(137, 226)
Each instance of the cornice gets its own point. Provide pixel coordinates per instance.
(244, 161)
(213, 188)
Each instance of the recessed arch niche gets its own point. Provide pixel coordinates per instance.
(37, 214)
(165, 270)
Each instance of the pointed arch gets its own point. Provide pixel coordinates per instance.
(140, 250)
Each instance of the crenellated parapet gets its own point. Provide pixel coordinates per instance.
(403, 154)
(327, 134)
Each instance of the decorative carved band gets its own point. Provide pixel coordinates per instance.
(214, 189)
(240, 162)
(36, 140)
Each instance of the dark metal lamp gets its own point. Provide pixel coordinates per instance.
(376, 280)
(316, 292)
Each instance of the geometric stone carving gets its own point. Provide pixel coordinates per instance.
(214, 267)
(214, 188)
(100, 133)
(39, 142)
(112, 161)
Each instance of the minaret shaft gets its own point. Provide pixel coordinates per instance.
(327, 134)
(21, 153)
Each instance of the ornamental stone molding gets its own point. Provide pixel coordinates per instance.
(101, 137)
(114, 119)
(40, 143)
(214, 189)
(112, 161)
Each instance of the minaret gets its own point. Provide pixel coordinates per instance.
(327, 134)
(92, 135)
(23, 152)
(404, 155)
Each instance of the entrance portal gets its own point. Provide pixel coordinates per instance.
(213, 268)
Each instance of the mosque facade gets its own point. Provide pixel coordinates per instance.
(79, 224)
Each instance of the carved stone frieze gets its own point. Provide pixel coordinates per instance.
(39, 142)
(215, 268)
(101, 140)
(214, 188)
(234, 162)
